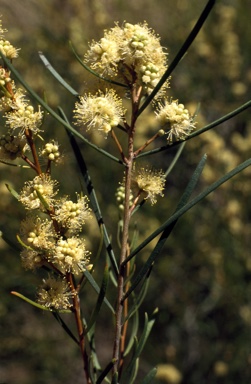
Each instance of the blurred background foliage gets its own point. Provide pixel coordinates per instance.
(202, 281)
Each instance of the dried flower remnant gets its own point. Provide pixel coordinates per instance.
(70, 255)
(12, 147)
(31, 259)
(101, 112)
(41, 185)
(54, 294)
(148, 182)
(176, 118)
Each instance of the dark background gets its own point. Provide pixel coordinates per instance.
(201, 282)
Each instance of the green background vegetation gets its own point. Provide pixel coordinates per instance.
(202, 281)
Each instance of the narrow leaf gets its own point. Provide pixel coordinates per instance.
(105, 372)
(167, 227)
(214, 124)
(38, 305)
(148, 379)
(97, 289)
(57, 76)
(189, 205)
(65, 327)
(43, 201)
(175, 159)
(133, 332)
(100, 300)
(9, 241)
(12, 191)
(129, 373)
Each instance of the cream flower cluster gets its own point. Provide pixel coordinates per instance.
(5, 47)
(101, 112)
(38, 193)
(53, 241)
(54, 294)
(149, 183)
(130, 51)
(72, 216)
(176, 118)
(24, 117)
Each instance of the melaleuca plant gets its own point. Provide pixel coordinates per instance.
(131, 64)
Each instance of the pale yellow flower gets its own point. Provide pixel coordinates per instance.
(51, 151)
(132, 52)
(43, 185)
(72, 216)
(70, 255)
(37, 233)
(176, 118)
(8, 50)
(25, 118)
(148, 182)
(101, 112)
(54, 294)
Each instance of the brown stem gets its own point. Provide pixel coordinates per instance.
(125, 235)
(80, 327)
(124, 242)
(125, 326)
(118, 145)
(27, 160)
(146, 144)
(30, 141)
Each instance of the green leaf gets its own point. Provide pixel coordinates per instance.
(168, 229)
(38, 305)
(9, 241)
(189, 205)
(57, 75)
(130, 372)
(100, 300)
(133, 332)
(214, 124)
(12, 191)
(149, 377)
(65, 327)
(93, 363)
(97, 289)
(43, 201)
(105, 372)
(175, 159)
